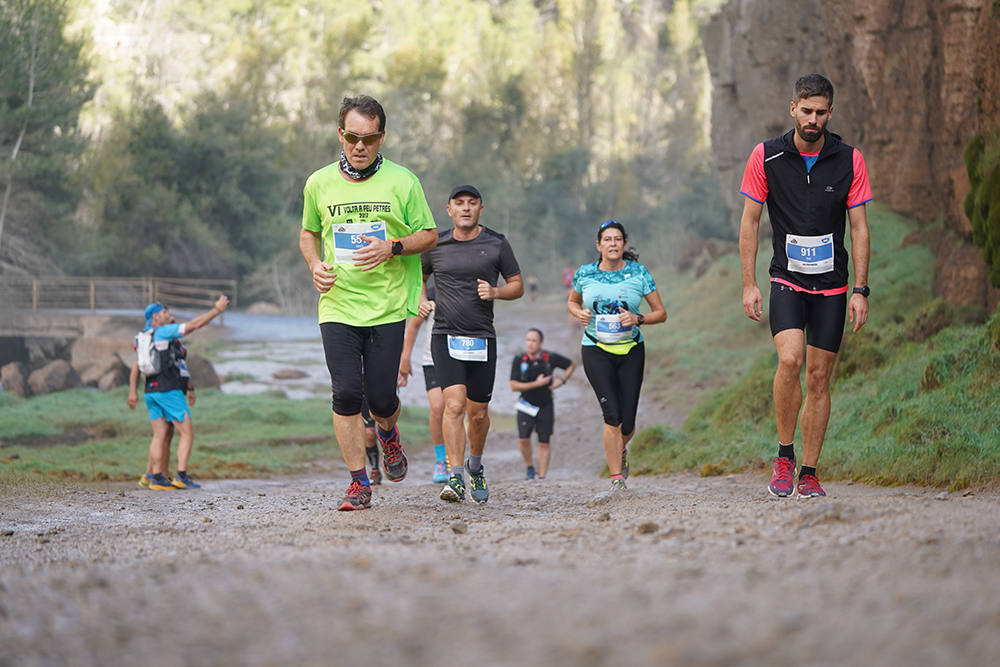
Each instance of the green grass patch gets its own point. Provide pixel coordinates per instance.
(88, 435)
(914, 393)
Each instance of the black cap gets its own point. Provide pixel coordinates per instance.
(466, 189)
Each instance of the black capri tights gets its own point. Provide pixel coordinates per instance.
(616, 379)
(363, 362)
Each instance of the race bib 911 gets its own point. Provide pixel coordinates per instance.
(809, 254)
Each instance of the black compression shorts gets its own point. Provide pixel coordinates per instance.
(542, 423)
(821, 317)
(363, 364)
(477, 376)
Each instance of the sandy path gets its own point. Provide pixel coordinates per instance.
(681, 570)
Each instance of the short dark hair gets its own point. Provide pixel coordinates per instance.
(541, 336)
(813, 85)
(364, 105)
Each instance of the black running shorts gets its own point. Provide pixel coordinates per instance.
(477, 376)
(430, 377)
(821, 317)
(542, 423)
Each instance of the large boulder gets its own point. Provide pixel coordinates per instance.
(101, 351)
(115, 376)
(203, 374)
(12, 379)
(93, 373)
(54, 376)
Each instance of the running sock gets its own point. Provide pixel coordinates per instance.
(618, 476)
(475, 463)
(360, 476)
(786, 451)
(383, 434)
(807, 470)
(439, 454)
(372, 453)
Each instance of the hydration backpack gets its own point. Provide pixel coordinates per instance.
(146, 352)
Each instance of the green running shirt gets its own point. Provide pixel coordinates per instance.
(393, 196)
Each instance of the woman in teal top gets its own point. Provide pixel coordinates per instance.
(605, 298)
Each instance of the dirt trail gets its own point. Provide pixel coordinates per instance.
(681, 570)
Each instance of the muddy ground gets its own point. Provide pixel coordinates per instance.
(680, 570)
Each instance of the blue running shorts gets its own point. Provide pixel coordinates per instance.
(169, 405)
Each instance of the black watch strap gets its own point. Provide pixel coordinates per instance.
(863, 291)
(397, 247)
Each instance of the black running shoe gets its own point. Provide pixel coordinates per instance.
(375, 477)
(393, 456)
(625, 463)
(358, 497)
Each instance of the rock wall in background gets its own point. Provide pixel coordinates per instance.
(906, 78)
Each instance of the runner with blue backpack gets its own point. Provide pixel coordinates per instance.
(605, 299)
(159, 358)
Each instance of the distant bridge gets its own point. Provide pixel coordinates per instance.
(51, 306)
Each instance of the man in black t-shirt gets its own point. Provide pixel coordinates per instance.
(467, 264)
(532, 374)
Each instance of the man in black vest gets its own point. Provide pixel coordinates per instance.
(811, 181)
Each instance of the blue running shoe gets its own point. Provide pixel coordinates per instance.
(477, 484)
(441, 472)
(160, 482)
(454, 490)
(530, 473)
(183, 481)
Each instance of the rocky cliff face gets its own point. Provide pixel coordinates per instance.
(906, 96)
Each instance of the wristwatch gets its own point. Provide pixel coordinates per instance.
(397, 247)
(863, 291)
(641, 318)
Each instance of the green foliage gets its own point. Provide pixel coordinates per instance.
(201, 148)
(982, 204)
(43, 86)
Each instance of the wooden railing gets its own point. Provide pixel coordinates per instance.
(81, 293)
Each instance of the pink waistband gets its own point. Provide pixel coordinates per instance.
(822, 292)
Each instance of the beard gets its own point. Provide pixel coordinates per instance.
(810, 134)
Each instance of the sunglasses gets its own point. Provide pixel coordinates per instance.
(368, 139)
(607, 223)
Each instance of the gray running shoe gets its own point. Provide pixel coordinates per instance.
(618, 485)
(530, 473)
(477, 484)
(625, 463)
(454, 490)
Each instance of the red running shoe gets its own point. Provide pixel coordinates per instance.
(393, 456)
(358, 497)
(783, 479)
(809, 487)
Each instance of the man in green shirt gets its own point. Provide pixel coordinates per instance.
(365, 221)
